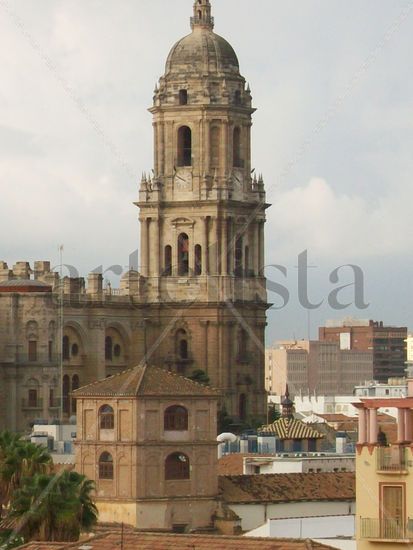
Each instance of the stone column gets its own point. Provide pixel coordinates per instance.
(372, 426)
(224, 246)
(144, 248)
(261, 249)
(231, 247)
(408, 435)
(154, 250)
(205, 267)
(227, 153)
(207, 151)
(362, 426)
(161, 145)
(400, 426)
(256, 251)
(155, 146)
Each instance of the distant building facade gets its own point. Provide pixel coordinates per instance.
(309, 366)
(387, 344)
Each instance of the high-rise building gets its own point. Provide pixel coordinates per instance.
(387, 343)
(310, 366)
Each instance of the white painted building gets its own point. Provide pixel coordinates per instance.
(321, 404)
(301, 463)
(320, 528)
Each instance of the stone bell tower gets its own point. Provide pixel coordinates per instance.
(202, 215)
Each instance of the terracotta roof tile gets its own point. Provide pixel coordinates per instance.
(291, 428)
(145, 381)
(288, 487)
(155, 541)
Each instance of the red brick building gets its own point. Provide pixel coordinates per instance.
(386, 342)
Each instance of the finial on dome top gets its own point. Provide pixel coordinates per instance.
(202, 15)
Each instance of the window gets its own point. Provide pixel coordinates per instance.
(177, 467)
(176, 419)
(51, 397)
(50, 350)
(198, 260)
(183, 254)
(247, 261)
(32, 351)
(238, 257)
(182, 344)
(168, 261)
(105, 466)
(106, 418)
(66, 348)
(75, 350)
(184, 146)
(242, 406)
(242, 344)
(32, 398)
(183, 97)
(117, 350)
(108, 348)
(237, 97)
(215, 146)
(66, 391)
(75, 386)
(237, 162)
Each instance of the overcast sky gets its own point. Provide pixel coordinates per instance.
(333, 135)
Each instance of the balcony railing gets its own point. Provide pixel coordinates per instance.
(386, 529)
(391, 459)
(34, 405)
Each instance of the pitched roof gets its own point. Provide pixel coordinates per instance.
(291, 428)
(288, 487)
(145, 381)
(161, 541)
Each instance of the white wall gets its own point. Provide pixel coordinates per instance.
(255, 515)
(300, 465)
(311, 527)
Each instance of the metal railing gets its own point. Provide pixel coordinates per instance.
(386, 529)
(391, 459)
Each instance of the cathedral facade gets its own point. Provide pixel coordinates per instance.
(198, 301)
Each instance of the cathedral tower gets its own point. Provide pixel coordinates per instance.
(202, 215)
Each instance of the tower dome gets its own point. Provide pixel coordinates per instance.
(203, 51)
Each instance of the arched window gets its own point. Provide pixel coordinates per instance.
(242, 344)
(32, 398)
(176, 419)
(247, 261)
(75, 386)
(177, 467)
(168, 261)
(108, 348)
(32, 350)
(183, 97)
(117, 351)
(215, 146)
(238, 257)
(106, 418)
(184, 146)
(242, 409)
(75, 350)
(66, 348)
(182, 344)
(66, 391)
(105, 466)
(237, 161)
(198, 259)
(183, 254)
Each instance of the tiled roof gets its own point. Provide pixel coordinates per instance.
(145, 381)
(155, 541)
(288, 487)
(233, 464)
(291, 428)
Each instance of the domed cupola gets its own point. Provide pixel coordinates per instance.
(202, 52)
(204, 64)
